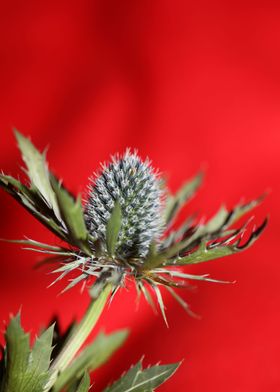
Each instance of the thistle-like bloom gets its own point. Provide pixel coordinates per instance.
(126, 226)
(135, 185)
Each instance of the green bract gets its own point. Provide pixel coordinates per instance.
(126, 227)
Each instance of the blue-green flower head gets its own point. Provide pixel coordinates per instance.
(137, 187)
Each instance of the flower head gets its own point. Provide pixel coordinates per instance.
(126, 227)
(136, 186)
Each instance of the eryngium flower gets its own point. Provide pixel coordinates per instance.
(138, 189)
(125, 229)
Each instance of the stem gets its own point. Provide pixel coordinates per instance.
(78, 336)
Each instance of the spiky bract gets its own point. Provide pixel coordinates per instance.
(136, 186)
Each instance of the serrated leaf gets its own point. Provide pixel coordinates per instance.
(41, 352)
(220, 249)
(176, 235)
(9, 180)
(242, 209)
(26, 370)
(37, 171)
(139, 380)
(216, 226)
(18, 351)
(216, 222)
(126, 380)
(91, 358)
(174, 203)
(113, 228)
(212, 226)
(203, 254)
(84, 384)
(39, 361)
(60, 336)
(32, 205)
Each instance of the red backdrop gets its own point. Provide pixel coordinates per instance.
(187, 83)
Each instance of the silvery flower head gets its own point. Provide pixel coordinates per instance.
(127, 227)
(138, 189)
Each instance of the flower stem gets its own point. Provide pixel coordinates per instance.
(78, 336)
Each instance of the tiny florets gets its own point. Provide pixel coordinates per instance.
(136, 186)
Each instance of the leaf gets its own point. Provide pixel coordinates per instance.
(113, 228)
(175, 203)
(37, 171)
(203, 254)
(139, 380)
(39, 360)
(215, 227)
(84, 384)
(42, 349)
(59, 336)
(33, 205)
(212, 226)
(126, 380)
(241, 209)
(72, 214)
(26, 370)
(91, 358)
(18, 351)
(9, 180)
(176, 235)
(216, 222)
(207, 252)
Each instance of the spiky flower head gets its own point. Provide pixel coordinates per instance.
(125, 229)
(137, 187)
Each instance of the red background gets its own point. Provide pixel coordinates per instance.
(187, 83)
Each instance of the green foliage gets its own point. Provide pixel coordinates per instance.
(84, 384)
(34, 203)
(72, 213)
(138, 379)
(176, 202)
(208, 241)
(47, 199)
(25, 369)
(38, 171)
(91, 358)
